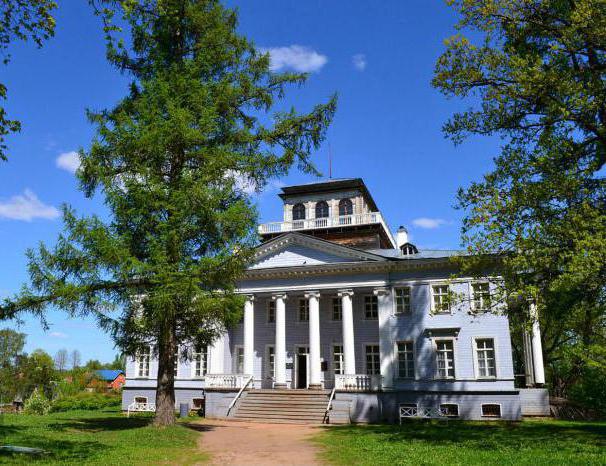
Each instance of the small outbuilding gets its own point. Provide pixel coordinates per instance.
(109, 378)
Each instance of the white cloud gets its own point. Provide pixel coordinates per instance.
(295, 57)
(26, 207)
(359, 61)
(429, 223)
(57, 335)
(69, 161)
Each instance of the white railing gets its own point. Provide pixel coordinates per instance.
(235, 381)
(358, 382)
(137, 407)
(328, 406)
(326, 222)
(422, 412)
(233, 402)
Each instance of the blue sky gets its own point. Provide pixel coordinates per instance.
(379, 58)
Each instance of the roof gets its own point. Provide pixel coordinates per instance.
(337, 184)
(108, 375)
(422, 254)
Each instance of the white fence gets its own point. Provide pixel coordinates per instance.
(326, 222)
(235, 381)
(358, 382)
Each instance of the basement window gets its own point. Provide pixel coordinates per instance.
(491, 410)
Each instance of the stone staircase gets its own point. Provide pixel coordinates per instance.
(282, 406)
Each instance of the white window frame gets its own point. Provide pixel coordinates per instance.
(177, 359)
(476, 361)
(270, 366)
(271, 308)
(454, 357)
(341, 359)
(302, 303)
(339, 304)
(201, 358)
(235, 361)
(500, 416)
(378, 353)
(395, 300)
(138, 363)
(374, 300)
(452, 404)
(414, 360)
(472, 296)
(432, 296)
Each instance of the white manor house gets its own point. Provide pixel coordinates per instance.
(344, 322)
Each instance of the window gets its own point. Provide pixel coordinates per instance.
(142, 361)
(445, 359)
(406, 360)
(303, 310)
(440, 296)
(271, 362)
(200, 360)
(480, 297)
(176, 363)
(449, 409)
(408, 249)
(337, 309)
(373, 361)
(337, 359)
(239, 360)
(140, 399)
(345, 207)
(271, 312)
(197, 403)
(298, 212)
(322, 209)
(371, 307)
(403, 300)
(485, 357)
(491, 410)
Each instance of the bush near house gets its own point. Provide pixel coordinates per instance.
(88, 401)
(37, 404)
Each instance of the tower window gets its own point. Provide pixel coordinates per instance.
(322, 209)
(298, 212)
(345, 207)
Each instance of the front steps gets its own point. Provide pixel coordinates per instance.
(282, 406)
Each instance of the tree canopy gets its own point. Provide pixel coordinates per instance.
(534, 72)
(200, 120)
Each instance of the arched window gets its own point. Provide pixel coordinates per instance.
(322, 209)
(298, 212)
(345, 207)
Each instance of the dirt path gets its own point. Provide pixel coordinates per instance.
(243, 443)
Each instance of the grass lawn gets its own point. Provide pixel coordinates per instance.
(536, 442)
(97, 437)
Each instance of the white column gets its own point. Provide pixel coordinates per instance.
(386, 345)
(280, 347)
(537, 347)
(315, 365)
(249, 335)
(216, 356)
(528, 364)
(349, 356)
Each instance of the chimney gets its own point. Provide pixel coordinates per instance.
(401, 237)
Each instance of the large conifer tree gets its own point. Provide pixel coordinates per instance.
(170, 160)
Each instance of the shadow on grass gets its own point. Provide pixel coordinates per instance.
(54, 450)
(101, 424)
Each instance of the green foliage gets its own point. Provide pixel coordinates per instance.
(37, 404)
(170, 160)
(36, 372)
(472, 443)
(11, 348)
(535, 71)
(87, 401)
(21, 20)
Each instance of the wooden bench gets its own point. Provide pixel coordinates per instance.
(138, 407)
(410, 412)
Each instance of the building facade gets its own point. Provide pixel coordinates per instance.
(335, 302)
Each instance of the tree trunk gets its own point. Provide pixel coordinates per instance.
(165, 390)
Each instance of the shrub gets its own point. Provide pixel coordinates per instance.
(87, 401)
(37, 403)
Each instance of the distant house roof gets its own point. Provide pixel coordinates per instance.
(108, 375)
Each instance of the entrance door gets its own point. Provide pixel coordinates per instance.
(301, 370)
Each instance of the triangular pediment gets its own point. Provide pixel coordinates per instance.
(297, 250)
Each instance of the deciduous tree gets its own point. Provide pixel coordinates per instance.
(61, 360)
(171, 160)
